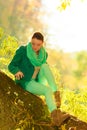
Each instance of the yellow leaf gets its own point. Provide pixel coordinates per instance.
(33, 128)
(63, 127)
(63, 5)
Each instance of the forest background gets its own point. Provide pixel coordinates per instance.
(18, 20)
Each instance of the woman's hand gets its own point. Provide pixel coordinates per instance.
(19, 75)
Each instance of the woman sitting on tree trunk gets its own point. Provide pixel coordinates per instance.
(31, 70)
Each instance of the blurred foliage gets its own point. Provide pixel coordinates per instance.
(19, 17)
(75, 102)
(8, 45)
(81, 58)
(71, 66)
(65, 3)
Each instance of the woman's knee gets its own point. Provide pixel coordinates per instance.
(48, 91)
(45, 65)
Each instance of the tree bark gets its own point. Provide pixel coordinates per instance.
(21, 110)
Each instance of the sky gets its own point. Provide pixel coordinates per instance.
(67, 30)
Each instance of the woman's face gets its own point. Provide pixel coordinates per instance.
(36, 44)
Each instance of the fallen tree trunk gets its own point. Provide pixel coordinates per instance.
(21, 110)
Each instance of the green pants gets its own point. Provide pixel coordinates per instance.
(41, 88)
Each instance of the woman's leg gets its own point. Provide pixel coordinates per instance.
(36, 88)
(45, 74)
(39, 89)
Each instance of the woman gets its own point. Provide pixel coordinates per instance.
(31, 70)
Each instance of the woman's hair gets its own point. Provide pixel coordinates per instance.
(38, 35)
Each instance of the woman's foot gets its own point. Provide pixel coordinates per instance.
(58, 117)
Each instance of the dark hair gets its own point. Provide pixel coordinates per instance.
(38, 35)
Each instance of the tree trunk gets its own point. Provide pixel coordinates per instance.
(21, 110)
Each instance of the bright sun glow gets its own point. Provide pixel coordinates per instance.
(67, 29)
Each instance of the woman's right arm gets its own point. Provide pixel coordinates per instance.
(13, 67)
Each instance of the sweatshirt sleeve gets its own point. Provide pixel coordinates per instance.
(46, 55)
(13, 65)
